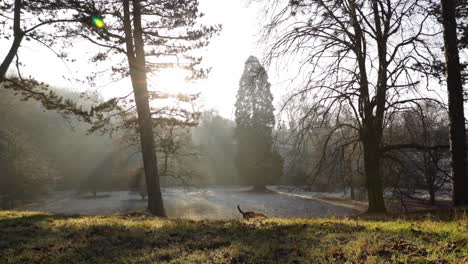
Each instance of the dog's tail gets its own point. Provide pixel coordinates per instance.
(238, 208)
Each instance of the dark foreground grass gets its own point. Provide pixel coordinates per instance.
(31, 237)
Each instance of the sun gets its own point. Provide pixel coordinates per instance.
(171, 81)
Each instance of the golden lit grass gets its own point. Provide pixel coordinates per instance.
(32, 237)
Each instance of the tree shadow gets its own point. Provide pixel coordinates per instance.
(434, 214)
(51, 238)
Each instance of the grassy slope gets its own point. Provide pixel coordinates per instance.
(29, 237)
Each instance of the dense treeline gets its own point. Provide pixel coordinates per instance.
(42, 144)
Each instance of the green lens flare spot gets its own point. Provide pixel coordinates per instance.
(98, 22)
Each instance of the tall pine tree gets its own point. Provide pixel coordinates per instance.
(258, 164)
(145, 36)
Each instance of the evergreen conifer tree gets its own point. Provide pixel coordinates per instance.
(258, 164)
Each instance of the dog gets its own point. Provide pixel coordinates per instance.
(250, 215)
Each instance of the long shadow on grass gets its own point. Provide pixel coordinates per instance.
(18, 229)
(45, 238)
(436, 215)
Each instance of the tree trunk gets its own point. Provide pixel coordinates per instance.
(375, 124)
(430, 176)
(351, 180)
(455, 99)
(373, 176)
(136, 59)
(259, 188)
(18, 37)
(371, 135)
(155, 204)
(432, 196)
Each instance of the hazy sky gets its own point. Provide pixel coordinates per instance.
(228, 52)
(226, 55)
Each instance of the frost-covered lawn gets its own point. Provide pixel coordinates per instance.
(32, 237)
(204, 202)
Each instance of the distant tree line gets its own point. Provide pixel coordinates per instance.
(41, 151)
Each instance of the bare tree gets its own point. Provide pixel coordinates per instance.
(358, 56)
(424, 166)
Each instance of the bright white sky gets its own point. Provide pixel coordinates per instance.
(228, 52)
(226, 55)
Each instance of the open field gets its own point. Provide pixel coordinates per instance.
(33, 237)
(203, 202)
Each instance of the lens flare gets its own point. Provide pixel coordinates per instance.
(98, 22)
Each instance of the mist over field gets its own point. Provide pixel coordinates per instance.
(88, 173)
